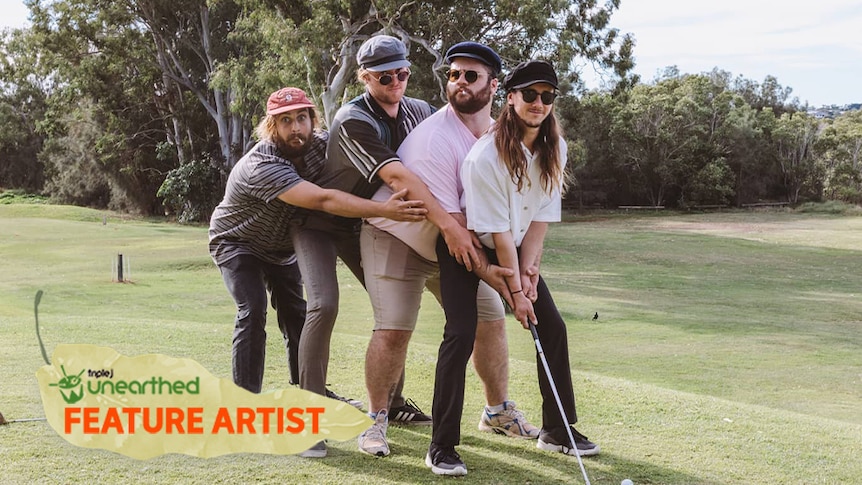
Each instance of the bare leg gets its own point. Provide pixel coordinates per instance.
(384, 363)
(491, 360)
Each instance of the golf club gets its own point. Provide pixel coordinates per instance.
(557, 398)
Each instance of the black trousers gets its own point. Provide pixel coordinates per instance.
(458, 291)
(248, 279)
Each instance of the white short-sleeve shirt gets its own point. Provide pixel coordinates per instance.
(434, 151)
(493, 202)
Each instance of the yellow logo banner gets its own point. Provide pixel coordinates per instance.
(154, 404)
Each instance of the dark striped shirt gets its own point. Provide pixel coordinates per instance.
(364, 139)
(251, 219)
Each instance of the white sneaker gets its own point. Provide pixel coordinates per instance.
(373, 440)
(510, 422)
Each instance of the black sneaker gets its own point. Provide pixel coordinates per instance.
(353, 402)
(556, 439)
(409, 413)
(444, 460)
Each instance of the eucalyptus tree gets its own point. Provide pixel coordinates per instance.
(23, 92)
(672, 137)
(98, 58)
(841, 150)
(794, 137)
(171, 83)
(325, 35)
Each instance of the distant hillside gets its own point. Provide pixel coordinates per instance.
(833, 110)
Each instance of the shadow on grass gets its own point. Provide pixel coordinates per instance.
(495, 460)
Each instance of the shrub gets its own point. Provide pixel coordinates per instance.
(192, 191)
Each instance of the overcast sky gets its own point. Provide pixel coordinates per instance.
(813, 47)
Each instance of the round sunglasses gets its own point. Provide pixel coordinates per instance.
(469, 76)
(385, 79)
(530, 95)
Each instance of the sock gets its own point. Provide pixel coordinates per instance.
(499, 408)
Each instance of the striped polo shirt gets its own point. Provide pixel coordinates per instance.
(251, 219)
(364, 139)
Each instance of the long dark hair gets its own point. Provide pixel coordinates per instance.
(508, 133)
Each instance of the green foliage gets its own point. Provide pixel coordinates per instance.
(703, 139)
(72, 162)
(835, 207)
(841, 149)
(22, 104)
(794, 136)
(192, 191)
(713, 184)
(19, 196)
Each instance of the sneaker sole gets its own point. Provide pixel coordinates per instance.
(559, 449)
(379, 453)
(503, 431)
(455, 472)
(411, 423)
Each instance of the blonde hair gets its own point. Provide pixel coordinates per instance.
(362, 75)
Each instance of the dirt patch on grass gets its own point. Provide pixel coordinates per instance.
(835, 233)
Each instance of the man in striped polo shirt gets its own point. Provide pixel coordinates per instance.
(372, 125)
(249, 236)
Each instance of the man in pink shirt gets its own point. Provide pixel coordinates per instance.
(434, 151)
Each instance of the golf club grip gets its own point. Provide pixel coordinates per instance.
(533, 331)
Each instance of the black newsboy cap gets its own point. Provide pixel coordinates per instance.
(475, 50)
(529, 73)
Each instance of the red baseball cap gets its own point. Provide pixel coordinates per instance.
(287, 99)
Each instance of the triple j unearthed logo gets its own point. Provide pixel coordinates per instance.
(71, 387)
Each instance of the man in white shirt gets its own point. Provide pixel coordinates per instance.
(513, 180)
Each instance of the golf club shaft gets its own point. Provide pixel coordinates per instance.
(553, 385)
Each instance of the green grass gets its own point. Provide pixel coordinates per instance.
(727, 350)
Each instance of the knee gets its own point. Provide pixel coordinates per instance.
(322, 310)
(390, 340)
(251, 318)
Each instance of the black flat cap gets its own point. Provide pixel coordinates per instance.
(475, 50)
(529, 73)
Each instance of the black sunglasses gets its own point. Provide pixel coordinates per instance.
(469, 76)
(386, 78)
(530, 95)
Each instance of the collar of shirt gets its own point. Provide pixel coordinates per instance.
(378, 110)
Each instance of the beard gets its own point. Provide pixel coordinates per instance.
(292, 150)
(531, 124)
(466, 102)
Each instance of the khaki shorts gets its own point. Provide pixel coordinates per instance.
(395, 276)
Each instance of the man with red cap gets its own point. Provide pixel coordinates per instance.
(249, 236)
